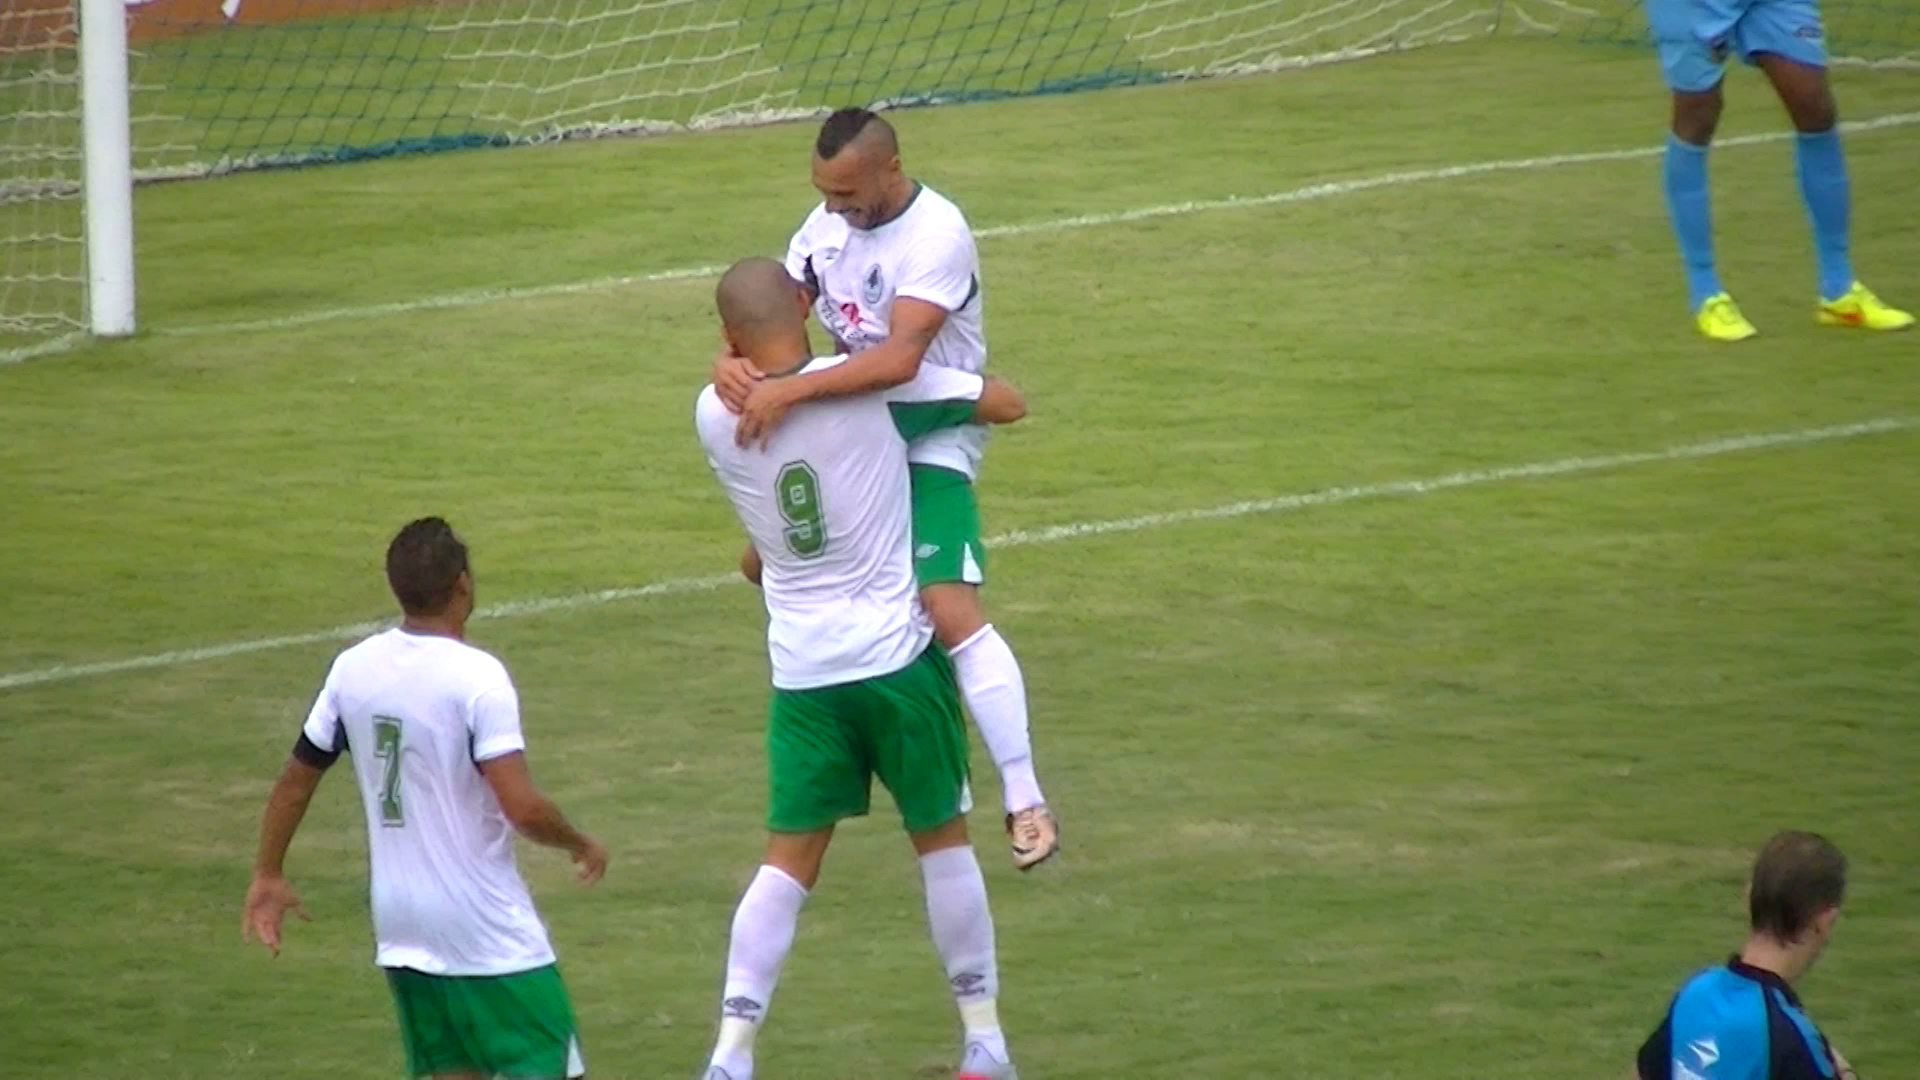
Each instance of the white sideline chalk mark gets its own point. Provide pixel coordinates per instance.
(1309, 193)
(1022, 537)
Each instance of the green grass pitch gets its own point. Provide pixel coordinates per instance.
(1444, 785)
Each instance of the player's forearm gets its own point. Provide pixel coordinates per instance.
(286, 808)
(888, 364)
(543, 823)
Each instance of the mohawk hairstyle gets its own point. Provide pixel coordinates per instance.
(846, 125)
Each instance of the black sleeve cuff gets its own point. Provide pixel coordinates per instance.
(312, 756)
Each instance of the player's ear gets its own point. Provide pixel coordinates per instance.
(463, 587)
(1824, 921)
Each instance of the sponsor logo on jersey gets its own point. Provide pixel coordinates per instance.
(874, 285)
(844, 321)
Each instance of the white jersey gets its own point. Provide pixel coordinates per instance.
(925, 253)
(827, 506)
(418, 713)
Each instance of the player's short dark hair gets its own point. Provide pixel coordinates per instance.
(424, 562)
(842, 127)
(1797, 876)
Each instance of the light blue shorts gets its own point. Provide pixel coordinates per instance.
(1696, 37)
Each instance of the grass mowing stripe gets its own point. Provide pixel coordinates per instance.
(1021, 537)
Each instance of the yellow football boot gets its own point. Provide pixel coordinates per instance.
(1859, 307)
(1720, 319)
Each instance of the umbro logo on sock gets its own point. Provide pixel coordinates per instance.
(968, 984)
(741, 1008)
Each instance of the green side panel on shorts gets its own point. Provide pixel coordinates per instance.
(825, 746)
(947, 547)
(519, 1026)
(913, 419)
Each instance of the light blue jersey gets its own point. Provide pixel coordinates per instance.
(1696, 37)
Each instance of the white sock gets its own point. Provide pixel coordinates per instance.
(963, 933)
(763, 928)
(996, 695)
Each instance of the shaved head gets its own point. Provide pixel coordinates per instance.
(761, 306)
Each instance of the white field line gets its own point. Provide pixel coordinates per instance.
(20, 355)
(1021, 537)
(1309, 193)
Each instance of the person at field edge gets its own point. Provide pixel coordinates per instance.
(859, 687)
(433, 726)
(894, 276)
(1785, 40)
(1741, 1020)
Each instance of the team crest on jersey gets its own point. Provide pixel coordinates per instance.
(874, 285)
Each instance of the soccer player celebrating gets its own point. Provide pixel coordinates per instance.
(1741, 1020)
(1784, 39)
(433, 725)
(894, 276)
(859, 686)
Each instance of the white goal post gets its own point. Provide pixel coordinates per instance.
(108, 161)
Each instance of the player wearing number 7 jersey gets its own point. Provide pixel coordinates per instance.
(433, 726)
(895, 278)
(860, 687)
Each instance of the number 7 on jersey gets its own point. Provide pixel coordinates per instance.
(386, 750)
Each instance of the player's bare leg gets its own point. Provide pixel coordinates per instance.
(962, 925)
(763, 930)
(996, 696)
(1822, 167)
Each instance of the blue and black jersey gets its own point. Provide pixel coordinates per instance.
(1736, 1022)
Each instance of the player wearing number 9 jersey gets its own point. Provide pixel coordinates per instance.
(894, 274)
(433, 727)
(860, 687)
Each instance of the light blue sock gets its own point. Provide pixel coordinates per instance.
(1685, 175)
(1823, 184)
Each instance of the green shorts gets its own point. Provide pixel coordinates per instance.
(946, 528)
(824, 747)
(517, 1026)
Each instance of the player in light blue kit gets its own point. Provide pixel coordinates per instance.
(1785, 40)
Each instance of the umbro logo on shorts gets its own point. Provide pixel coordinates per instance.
(926, 551)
